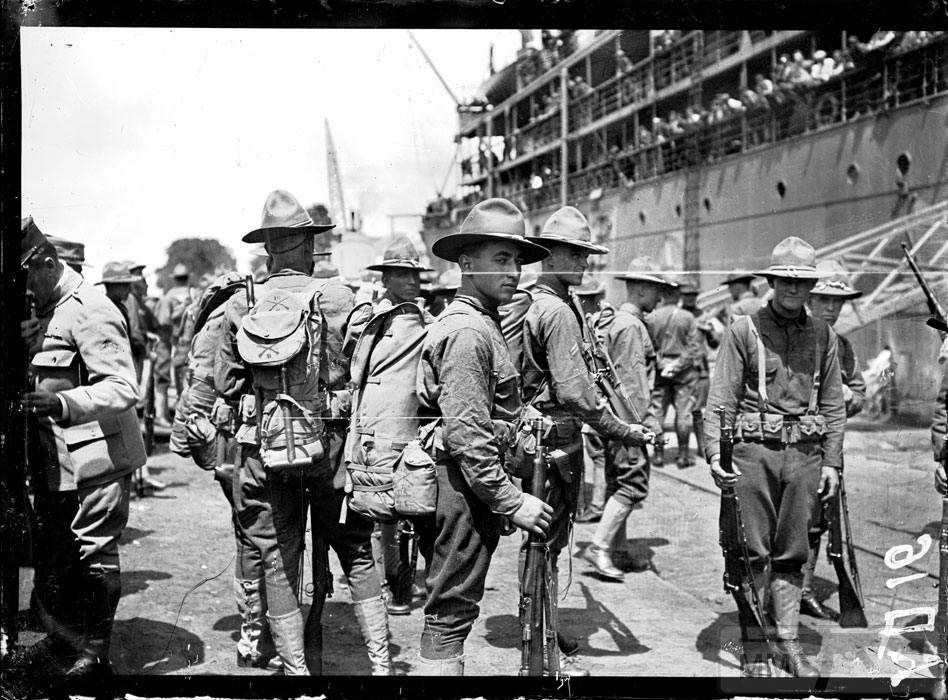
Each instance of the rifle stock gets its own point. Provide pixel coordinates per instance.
(938, 320)
(851, 607)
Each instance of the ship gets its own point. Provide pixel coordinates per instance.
(704, 149)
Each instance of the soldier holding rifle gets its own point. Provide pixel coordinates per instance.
(467, 381)
(557, 377)
(778, 381)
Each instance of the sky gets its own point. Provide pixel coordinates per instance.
(135, 137)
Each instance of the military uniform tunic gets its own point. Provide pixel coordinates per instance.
(467, 380)
(677, 346)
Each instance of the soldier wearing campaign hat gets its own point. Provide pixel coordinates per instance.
(171, 362)
(83, 445)
(630, 346)
(743, 299)
(442, 292)
(788, 419)
(556, 377)
(467, 381)
(827, 299)
(270, 505)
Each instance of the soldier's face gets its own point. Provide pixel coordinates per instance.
(402, 285)
(826, 307)
(568, 263)
(790, 294)
(492, 271)
(42, 277)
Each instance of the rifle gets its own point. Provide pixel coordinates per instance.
(938, 320)
(604, 373)
(535, 599)
(407, 560)
(148, 415)
(851, 606)
(942, 614)
(738, 576)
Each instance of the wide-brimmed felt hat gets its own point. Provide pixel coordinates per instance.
(449, 281)
(739, 276)
(400, 255)
(135, 267)
(644, 269)
(792, 258)
(568, 226)
(31, 239)
(589, 287)
(689, 285)
(117, 273)
(283, 215)
(69, 252)
(494, 219)
(835, 281)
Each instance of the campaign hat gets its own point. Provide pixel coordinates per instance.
(117, 273)
(568, 226)
(135, 268)
(449, 281)
(688, 284)
(739, 276)
(644, 269)
(835, 282)
(283, 215)
(590, 287)
(31, 239)
(400, 255)
(494, 219)
(69, 252)
(792, 258)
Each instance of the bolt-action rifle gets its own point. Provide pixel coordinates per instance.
(938, 320)
(537, 607)
(604, 373)
(942, 613)
(738, 576)
(851, 605)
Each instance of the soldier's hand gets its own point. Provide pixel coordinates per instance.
(42, 403)
(829, 483)
(533, 515)
(721, 477)
(941, 483)
(639, 435)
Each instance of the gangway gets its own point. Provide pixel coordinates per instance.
(878, 269)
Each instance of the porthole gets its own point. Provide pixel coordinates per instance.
(707, 204)
(782, 189)
(852, 173)
(903, 163)
(642, 216)
(678, 209)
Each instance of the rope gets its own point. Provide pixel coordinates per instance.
(193, 588)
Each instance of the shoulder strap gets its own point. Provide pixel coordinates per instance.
(813, 403)
(762, 399)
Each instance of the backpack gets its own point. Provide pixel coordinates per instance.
(512, 315)
(280, 339)
(388, 474)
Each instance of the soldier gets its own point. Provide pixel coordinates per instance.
(709, 338)
(513, 312)
(591, 297)
(467, 381)
(401, 270)
(271, 505)
(557, 379)
(826, 302)
(171, 364)
(627, 470)
(745, 302)
(117, 281)
(83, 444)
(789, 418)
(678, 351)
(70, 253)
(443, 292)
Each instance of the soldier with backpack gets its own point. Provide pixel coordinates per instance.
(385, 402)
(282, 362)
(468, 393)
(170, 365)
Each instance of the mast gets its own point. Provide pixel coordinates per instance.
(337, 204)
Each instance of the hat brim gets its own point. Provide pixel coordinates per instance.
(381, 267)
(795, 273)
(546, 241)
(845, 294)
(260, 235)
(449, 247)
(739, 278)
(635, 277)
(119, 280)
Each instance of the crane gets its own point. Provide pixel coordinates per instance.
(337, 203)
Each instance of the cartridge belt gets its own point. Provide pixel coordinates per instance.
(775, 427)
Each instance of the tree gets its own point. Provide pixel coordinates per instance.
(200, 255)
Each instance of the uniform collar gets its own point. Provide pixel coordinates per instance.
(782, 321)
(68, 283)
(477, 305)
(285, 272)
(543, 287)
(633, 309)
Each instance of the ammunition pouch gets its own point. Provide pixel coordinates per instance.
(777, 428)
(246, 433)
(562, 458)
(415, 484)
(521, 449)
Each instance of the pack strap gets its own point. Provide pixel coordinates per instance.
(762, 398)
(812, 405)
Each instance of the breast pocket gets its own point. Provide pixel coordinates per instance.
(56, 369)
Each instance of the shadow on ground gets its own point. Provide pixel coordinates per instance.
(148, 647)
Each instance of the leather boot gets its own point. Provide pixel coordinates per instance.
(255, 647)
(658, 456)
(601, 561)
(786, 590)
(101, 591)
(684, 459)
(598, 554)
(373, 622)
(453, 666)
(809, 605)
(287, 631)
(162, 417)
(568, 644)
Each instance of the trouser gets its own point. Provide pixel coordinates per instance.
(76, 542)
(678, 391)
(14, 550)
(563, 494)
(392, 551)
(595, 466)
(819, 523)
(466, 534)
(162, 365)
(248, 564)
(702, 389)
(627, 473)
